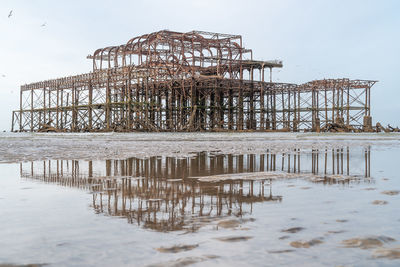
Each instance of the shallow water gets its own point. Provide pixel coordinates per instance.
(332, 203)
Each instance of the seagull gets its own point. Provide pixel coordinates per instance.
(10, 14)
(44, 24)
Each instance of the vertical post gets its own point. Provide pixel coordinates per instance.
(262, 127)
(240, 106)
(146, 104)
(212, 107)
(73, 99)
(274, 110)
(298, 110)
(270, 74)
(369, 100)
(44, 105)
(169, 107)
(268, 110)
(152, 106)
(366, 102)
(221, 109)
(333, 104)
(295, 121)
(341, 103)
(108, 100)
(289, 110)
(326, 106)
(159, 105)
(317, 115)
(338, 103)
(57, 124)
(90, 105)
(193, 107)
(20, 111)
(230, 107)
(348, 106)
(129, 101)
(50, 88)
(12, 121)
(313, 117)
(137, 103)
(283, 111)
(31, 112)
(62, 109)
(251, 100)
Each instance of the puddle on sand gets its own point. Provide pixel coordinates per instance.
(143, 190)
(173, 204)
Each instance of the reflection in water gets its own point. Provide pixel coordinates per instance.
(157, 194)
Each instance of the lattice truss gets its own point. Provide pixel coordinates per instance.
(195, 81)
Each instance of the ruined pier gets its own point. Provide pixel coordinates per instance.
(196, 81)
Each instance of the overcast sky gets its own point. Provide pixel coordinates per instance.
(316, 39)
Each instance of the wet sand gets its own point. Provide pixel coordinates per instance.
(183, 199)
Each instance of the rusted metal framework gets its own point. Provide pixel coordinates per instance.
(194, 81)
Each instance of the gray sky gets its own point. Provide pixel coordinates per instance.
(316, 39)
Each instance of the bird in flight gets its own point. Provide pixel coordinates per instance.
(10, 14)
(43, 25)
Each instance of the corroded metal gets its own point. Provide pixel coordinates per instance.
(195, 81)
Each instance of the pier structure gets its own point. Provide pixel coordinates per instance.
(195, 81)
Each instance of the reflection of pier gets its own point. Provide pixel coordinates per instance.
(156, 193)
